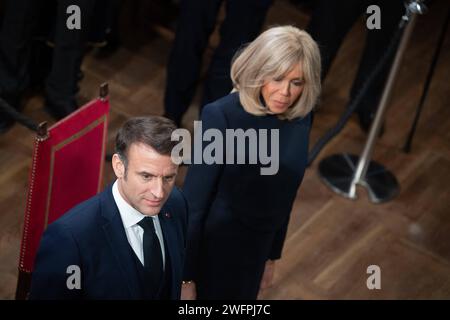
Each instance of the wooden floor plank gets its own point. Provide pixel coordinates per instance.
(331, 240)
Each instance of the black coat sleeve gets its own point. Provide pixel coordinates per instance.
(278, 241)
(200, 189)
(57, 252)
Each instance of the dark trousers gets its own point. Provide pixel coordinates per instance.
(331, 21)
(22, 18)
(242, 24)
(61, 84)
(232, 258)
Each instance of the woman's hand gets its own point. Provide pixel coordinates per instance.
(267, 278)
(188, 291)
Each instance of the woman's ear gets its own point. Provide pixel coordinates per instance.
(118, 166)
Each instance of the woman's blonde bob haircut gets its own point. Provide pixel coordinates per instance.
(272, 55)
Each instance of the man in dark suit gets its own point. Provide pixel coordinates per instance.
(329, 24)
(242, 23)
(128, 241)
(37, 48)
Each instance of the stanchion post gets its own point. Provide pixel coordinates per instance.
(343, 172)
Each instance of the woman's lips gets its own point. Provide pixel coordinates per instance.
(280, 104)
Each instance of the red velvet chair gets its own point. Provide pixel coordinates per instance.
(67, 168)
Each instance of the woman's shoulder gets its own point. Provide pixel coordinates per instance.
(228, 106)
(305, 120)
(230, 100)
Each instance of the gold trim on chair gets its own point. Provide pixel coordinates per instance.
(64, 143)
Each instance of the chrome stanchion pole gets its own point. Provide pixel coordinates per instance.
(343, 172)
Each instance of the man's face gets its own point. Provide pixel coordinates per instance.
(149, 179)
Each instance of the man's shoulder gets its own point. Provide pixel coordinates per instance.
(81, 216)
(177, 202)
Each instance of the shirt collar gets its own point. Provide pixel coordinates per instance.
(130, 216)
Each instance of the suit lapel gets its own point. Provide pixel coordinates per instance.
(168, 227)
(115, 234)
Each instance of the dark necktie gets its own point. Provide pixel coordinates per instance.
(153, 262)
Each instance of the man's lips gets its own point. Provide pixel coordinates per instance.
(153, 203)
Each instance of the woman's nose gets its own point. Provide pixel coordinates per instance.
(285, 89)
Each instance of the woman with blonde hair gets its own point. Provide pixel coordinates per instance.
(239, 215)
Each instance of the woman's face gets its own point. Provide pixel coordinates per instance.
(280, 93)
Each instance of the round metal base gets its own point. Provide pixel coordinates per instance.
(337, 172)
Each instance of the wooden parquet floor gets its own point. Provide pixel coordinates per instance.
(331, 240)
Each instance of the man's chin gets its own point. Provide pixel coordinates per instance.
(151, 211)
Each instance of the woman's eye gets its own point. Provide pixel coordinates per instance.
(278, 79)
(298, 83)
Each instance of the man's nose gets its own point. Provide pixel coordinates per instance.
(157, 188)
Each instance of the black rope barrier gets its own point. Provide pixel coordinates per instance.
(331, 133)
(437, 52)
(18, 117)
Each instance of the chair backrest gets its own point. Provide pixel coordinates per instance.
(66, 169)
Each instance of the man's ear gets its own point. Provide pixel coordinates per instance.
(118, 166)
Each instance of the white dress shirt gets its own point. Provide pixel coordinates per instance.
(130, 218)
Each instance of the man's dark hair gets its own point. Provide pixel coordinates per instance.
(153, 131)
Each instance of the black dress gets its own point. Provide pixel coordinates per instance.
(239, 217)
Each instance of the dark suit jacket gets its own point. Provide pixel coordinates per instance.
(92, 236)
(261, 202)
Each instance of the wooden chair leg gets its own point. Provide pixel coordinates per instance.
(23, 285)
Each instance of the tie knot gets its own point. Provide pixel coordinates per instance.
(147, 224)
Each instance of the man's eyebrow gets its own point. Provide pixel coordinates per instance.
(146, 173)
(153, 175)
